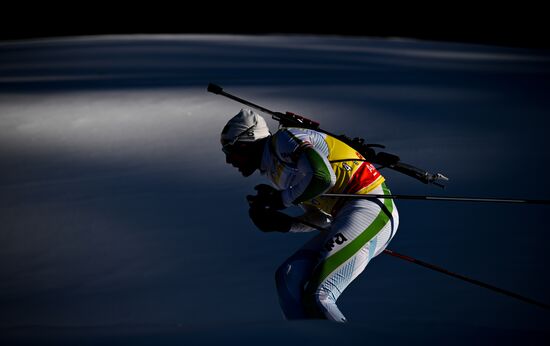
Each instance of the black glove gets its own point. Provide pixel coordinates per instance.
(270, 221)
(268, 198)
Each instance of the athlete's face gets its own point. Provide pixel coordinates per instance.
(240, 157)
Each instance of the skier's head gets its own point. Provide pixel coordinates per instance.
(239, 140)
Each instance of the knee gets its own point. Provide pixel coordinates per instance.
(322, 305)
(295, 270)
(280, 274)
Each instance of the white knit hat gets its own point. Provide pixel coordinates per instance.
(247, 126)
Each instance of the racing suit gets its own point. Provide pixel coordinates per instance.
(304, 164)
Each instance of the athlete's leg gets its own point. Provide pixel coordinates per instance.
(361, 230)
(292, 276)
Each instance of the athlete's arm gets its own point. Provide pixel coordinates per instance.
(318, 176)
(312, 216)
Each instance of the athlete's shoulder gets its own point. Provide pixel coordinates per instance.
(286, 143)
(297, 133)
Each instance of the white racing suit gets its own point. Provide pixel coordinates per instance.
(304, 164)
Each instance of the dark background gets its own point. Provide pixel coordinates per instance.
(503, 25)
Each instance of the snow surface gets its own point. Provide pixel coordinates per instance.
(120, 220)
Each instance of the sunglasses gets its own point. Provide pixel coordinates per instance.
(229, 147)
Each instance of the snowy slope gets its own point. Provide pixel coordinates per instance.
(118, 209)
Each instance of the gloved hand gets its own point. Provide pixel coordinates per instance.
(270, 221)
(268, 198)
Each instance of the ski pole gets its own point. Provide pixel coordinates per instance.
(441, 198)
(447, 272)
(467, 279)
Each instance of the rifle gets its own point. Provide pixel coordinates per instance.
(391, 161)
